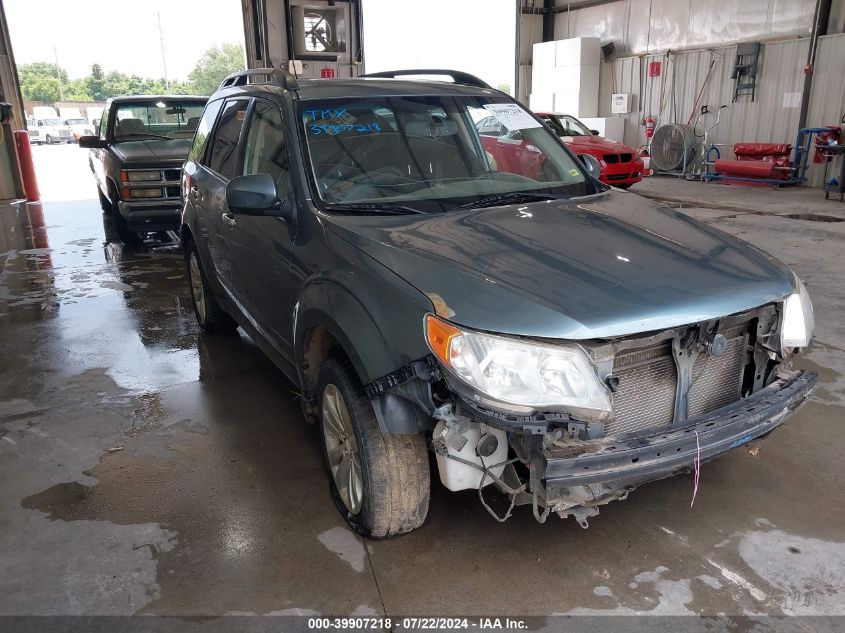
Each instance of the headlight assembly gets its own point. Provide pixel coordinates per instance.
(515, 374)
(140, 176)
(796, 329)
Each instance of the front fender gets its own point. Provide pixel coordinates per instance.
(377, 318)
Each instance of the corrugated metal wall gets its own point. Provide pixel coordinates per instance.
(772, 117)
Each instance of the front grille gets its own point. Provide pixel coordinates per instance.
(618, 176)
(64, 133)
(625, 158)
(172, 174)
(648, 380)
(611, 159)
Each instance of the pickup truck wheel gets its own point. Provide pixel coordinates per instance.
(379, 482)
(105, 203)
(128, 237)
(49, 140)
(210, 316)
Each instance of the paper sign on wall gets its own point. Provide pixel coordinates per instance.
(512, 116)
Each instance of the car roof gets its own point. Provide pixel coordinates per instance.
(364, 87)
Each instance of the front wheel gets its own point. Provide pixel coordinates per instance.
(49, 140)
(380, 482)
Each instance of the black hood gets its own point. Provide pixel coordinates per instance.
(606, 265)
(153, 150)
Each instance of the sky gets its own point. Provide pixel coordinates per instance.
(122, 35)
(475, 36)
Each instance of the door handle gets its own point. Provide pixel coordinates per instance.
(194, 191)
(229, 219)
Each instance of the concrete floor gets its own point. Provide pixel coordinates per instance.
(148, 469)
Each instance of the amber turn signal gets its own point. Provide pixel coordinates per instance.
(439, 335)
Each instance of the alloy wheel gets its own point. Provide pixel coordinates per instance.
(197, 288)
(342, 449)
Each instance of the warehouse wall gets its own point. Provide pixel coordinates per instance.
(772, 117)
(646, 26)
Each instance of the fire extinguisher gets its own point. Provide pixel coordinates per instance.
(649, 127)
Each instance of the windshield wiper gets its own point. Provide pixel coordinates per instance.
(371, 208)
(507, 198)
(144, 134)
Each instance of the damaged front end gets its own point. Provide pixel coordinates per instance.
(635, 409)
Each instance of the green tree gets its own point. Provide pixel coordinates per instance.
(96, 83)
(506, 88)
(214, 65)
(39, 81)
(77, 90)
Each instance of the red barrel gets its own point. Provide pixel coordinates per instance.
(30, 183)
(745, 168)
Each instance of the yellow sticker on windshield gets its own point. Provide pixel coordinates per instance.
(574, 173)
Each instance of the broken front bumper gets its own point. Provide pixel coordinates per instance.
(610, 468)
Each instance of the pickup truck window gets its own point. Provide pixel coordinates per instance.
(166, 119)
(204, 130)
(224, 146)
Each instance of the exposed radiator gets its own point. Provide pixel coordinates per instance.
(648, 380)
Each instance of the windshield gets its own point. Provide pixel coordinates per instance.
(433, 153)
(566, 125)
(157, 119)
(51, 121)
(76, 122)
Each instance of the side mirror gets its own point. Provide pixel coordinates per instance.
(91, 142)
(595, 132)
(256, 194)
(592, 165)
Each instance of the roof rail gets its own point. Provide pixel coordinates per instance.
(457, 76)
(273, 76)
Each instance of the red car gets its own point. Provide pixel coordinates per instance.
(620, 165)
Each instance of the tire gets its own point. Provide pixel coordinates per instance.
(105, 203)
(130, 238)
(49, 140)
(210, 316)
(392, 469)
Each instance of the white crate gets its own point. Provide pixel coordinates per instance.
(541, 102)
(566, 79)
(578, 104)
(608, 127)
(578, 51)
(544, 55)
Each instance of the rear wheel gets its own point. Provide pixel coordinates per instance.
(210, 316)
(380, 482)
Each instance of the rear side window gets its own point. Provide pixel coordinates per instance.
(203, 130)
(224, 147)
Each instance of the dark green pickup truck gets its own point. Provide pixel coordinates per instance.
(137, 158)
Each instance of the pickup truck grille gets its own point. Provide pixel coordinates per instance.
(648, 380)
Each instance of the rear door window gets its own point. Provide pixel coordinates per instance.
(206, 123)
(223, 157)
